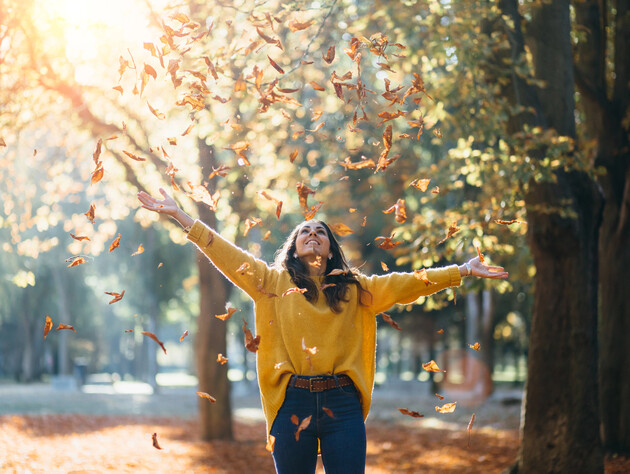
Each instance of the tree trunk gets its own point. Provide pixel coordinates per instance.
(216, 419)
(561, 424)
(605, 109)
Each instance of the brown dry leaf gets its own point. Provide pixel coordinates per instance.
(90, 213)
(240, 148)
(275, 65)
(316, 86)
(303, 425)
(243, 268)
(316, 129)
(154, 337)
(115, 243)
(470, 425)
(220, 171)
(294, 290)
(476, 346)
(271, 442)
(251, 342)
(440, 331)
(513, 221)
(480, 255)
(139, 251)
(303, 191)
(221, 359)
(207, 396)
(117, 296)
(437, 132)
(157, 113)
(249, 223)
(97, 175)
(422, 275)
(199, 193)
(79, 237)
(47, 326)
(310, 214)
(436, 190)
(447, 408)
(432, 366)
(188, 130)
(440, 397)
(128, 330)
(387, 242)
(421, 183)
(156, 445)
(76, 261)
(400, 212)
(134, 156)
(308, 350)
(150, 71)
(296, 25)
(452, 230)
(341, 229)
(328, 411)
(183, 335)
(64, 326)
(336, 271)
(415, 414)
(330, 55)
(357, 165)
(384, 266)
(388, 319)
(3, 143)
(226, 316)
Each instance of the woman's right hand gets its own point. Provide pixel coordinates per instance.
(166, 206)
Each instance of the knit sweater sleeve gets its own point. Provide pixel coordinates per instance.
(249, 273)
(405, 288)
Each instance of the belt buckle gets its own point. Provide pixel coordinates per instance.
(312, 388)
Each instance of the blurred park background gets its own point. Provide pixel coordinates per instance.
(443, 128)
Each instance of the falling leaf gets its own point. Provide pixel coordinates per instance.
(90, 213)
(308, 350)
(220, 171)
(79, 237)
(154, 337)
(336, 271)
(294, 290)
(432, 366)
(2, 142)
(422, 275)
(316, 129)
(64, 326)
(387, 242)
(357, 165)
(436, 190)
(513, 221)
(328, 411)
(160, 265)
(183, 335)
(384, 267)
(221, 360)
(437, 132)
(421, 184)
(399, 210)
(447, 408)
(271, 442)
(155, 112)
(275, 65)
(199, 193)
(341, 229)
(330, 55)
(440, 331)
(251, 343)
(249, 223)
(188, 130)
(440, 397)
(316, 86)
(388, 319)
(139, 251)
(415, 414)
(239, 148)
(47, 326)
(117, 296)
(476, 346)
(133, 156)
(480, 255)
(156, 445)
(470, 425)
(114, 245)
(128, 330)
(295, 25)
(303, 425)
(226, 316)
(452, 230)
(207, 396)
(310, 214)
(303, 192)
(77, 261)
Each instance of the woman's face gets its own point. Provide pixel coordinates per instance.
(312, 241)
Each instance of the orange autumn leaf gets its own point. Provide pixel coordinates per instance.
(308, 350)
(226, 316)
(294, 290)
(310, 214)
(156, 445)
(386, 116)
(414, 414)
(97, 175)
(388, 319)
(513, 221)
(421, 184)
(476, 346)
(470, 425)
(341, 229)
(139, 251)
(249, 223)
(328, 411)
(316, 86)
(384, 266)
(64, 326)
(296, 25)
(183, 335)
(387, 242)
(275, 65)
(207, 396)
(251, 342)
(240, 148)
(115, 243)
(440, 397)
(432, 366)
(188, 130)
(422, 275)
(336, 271)
(447, 408)
(220, 171)
(90, 213)
(303, 425)
(436, 190)
(303, 192)
(293, 155)
(271, 442)
(133, 156)
(128, 330)
(199, 193)
(76, 261)
(452, 230)
(221, 359)
(357, 165)
(243, 268)
(47, 326)
(157, 113)
(330, 55)
(119, 89)
(316, 129)
(437, 132)
(79, 237)
(440, 331)
(400, 212)
(117, 296)
(154, 337)
(295, 420)
(480, 255)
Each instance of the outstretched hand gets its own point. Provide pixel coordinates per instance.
(482, 270)
(166, 206)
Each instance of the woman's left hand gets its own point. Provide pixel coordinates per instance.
(482, 270)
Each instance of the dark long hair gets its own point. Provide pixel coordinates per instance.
(336, 294)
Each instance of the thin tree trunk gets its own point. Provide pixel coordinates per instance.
(216, 419)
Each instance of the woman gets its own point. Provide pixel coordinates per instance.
(317, 326)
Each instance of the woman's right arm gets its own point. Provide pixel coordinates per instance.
(240, 267)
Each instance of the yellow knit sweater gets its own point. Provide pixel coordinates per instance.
(345, 342)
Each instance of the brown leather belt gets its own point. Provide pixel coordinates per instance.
(319, 384)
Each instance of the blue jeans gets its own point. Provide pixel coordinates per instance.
(342, 436)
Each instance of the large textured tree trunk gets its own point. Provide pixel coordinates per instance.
(216, 419)
(560, 430)
(605, 108)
